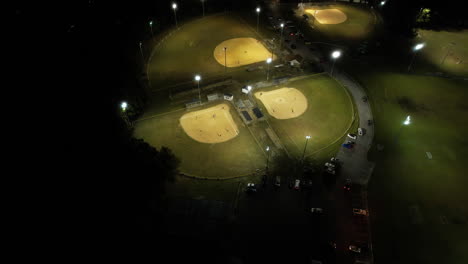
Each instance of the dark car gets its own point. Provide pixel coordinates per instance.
(293, 46)
(251, 188)
(287, 40)
(364, 98)
(369, 122)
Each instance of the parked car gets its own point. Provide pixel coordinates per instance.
(331, 170)
(364, 98)
(361, 131)
(347, 185)
(251, 188)
(354, 248)
(293, 46)
(316, 210)
(329, 164)
(278, 181)
(307, 42)
(352, 136)
(357, 211)
(369, 122)
(297, 184)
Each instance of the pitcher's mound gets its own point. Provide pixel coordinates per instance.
(328, 16)
(283, 103)
(210, 125)
(241, 51)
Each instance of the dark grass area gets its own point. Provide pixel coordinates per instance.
(405, 178)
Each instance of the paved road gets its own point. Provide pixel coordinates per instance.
(353, 165)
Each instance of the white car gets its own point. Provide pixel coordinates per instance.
(330, 170)
(316, 210)
(361, 131)
(297, 184)
(355, 248)
(329, 165)
(357, 211)
(353, 136)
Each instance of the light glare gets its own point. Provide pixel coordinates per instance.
(419, 46)
(268, 60)
(336, 54)
(407, 121)
(174, 6)
(197, 78)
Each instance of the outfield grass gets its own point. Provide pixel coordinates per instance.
(238, 156)
(405, 177)
(359, 25)
(451, 45)
(328, 117)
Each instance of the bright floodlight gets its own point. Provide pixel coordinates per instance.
(307, 137)
(382, 3)
(336, 54)
(258, 9)
(123, 106)
(151, 23)
(197, 78)
(282, 25)
(174, 6)
(419, 46)
(249, 88)
(268, 148)
(268, 60)
(407, 121)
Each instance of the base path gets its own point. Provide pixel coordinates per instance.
(210, 125)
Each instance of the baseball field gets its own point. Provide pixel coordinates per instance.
(198, 47)
(340, 21)
(315, 106)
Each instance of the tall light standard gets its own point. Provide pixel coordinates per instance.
(141, 51)
(415, 49)
(258, 16)
(335, 55)
(124, 106)
(151, 27)
(281, 42)
(448, 51)
(268, 61)
(405, 123)
(225, 61)
(273, 44)
(203, 6)
(174, 6)
(198, 78)
(249, 88)
(268, 157)
(305, 147)
(382, 3)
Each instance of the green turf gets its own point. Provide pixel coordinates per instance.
(328, 117)
(359, 25)
(238, 156)
(438, 46)
(404, 176)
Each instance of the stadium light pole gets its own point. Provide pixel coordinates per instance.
(268, 61)
(415, 50)
(203, 6)
(123, 107)
(141, 51)
(268, 157)
(249, 88)
(335, 55)
(382, 3)
(407, 122)
(258, 16)
(151, 27)
(225, 61)
(174, 7)
(305, 147)
(273, 43)
(315, 16)
(198, 78)
(281, 40)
